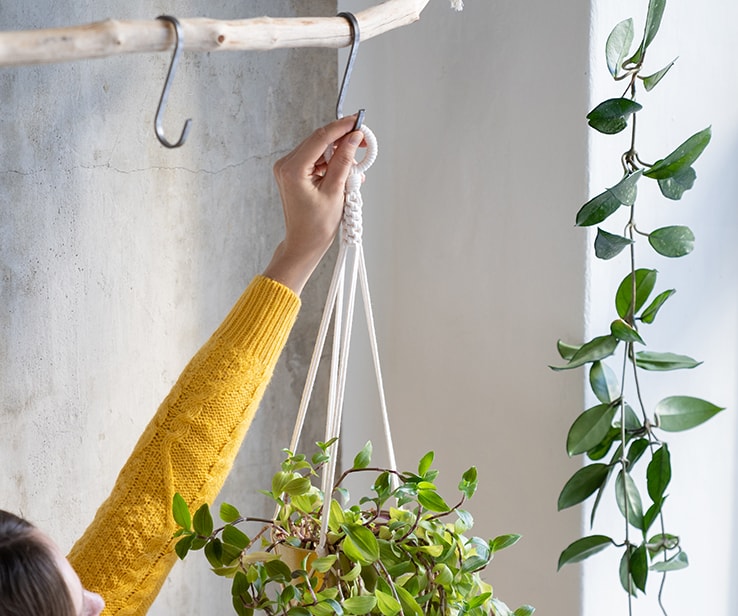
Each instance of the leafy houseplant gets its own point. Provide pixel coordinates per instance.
(622, 429)
(394, 553)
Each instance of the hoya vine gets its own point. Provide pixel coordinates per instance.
(621, 437)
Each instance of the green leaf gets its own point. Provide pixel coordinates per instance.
(636, 450)
(181, 512)
(425, 463)
(681, 158)
(387, 604)
(627, 495)
(658, 474)
(597, 209)
(652, 360)
(502, 542)
(364, 457)
(622, 331)
(653, 21)
(626, 190)
(431, 500)
(649, 314)
(590, 428)
(566, 351)
(626, 579)
(675, 186)
(676, 562)
(584, 548)
(214, 553)
(650, 82)
(611, 116)
(297, 486)
(582, 485)
(674, 241)
(228, 513)
(324, 563)
(524, 610)
(279, 481)
(651, 514)
(203, 521)
(639, 567)
(594, 350)
(618, 44)
(362, 604)
(360, 544)
(645, 279)
(604, 383)
(677, 413)
(469, 482)
(278, 571)
(183, 546)
(608, 245)
(409, 604)
(235, 537)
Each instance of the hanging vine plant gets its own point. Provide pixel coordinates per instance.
(622, 438)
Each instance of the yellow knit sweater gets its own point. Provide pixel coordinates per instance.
(188, 447)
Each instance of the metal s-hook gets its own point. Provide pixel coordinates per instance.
(355, 40)
(167, 85)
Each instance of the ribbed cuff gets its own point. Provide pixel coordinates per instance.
(262, 318)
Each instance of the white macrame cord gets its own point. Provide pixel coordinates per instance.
(342, 313)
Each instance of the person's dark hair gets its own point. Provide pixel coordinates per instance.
(30, 581)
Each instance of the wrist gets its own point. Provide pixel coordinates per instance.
(292, 269)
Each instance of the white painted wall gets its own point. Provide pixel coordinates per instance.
(476, 270)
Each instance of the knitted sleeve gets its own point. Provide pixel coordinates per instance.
(188, 447)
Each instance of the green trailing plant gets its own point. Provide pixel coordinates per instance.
(621, 437)
(401, 551)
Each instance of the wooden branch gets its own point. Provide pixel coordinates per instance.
(113, 37)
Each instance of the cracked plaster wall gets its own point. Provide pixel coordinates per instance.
(118, 257)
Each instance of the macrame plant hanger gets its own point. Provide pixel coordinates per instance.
(348, 273)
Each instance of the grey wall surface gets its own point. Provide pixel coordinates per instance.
(119, 257)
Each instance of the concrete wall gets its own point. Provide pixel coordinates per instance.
(118, 257)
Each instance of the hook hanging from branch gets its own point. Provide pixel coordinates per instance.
(167, 85)
(355, 40)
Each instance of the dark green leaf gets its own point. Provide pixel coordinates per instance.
(636, 450)
(653, 21)
(652, 360)
(649, 314)
(502, 542)
(425, 463)
(681, 158)
(590, 428)
(676, 562)
(645, 279)
(600, 450)
(639, 567)
(360, 544)
(618, 44)
(629, 499)
(632, 422)
(601, 491)
(203, 521)
(597, 209)
(278, 571)
(364, 457)
(594, 350)
(228, 513)
(626, 190)
(582, 484)
(677, 413)
(651, 514)
(584, 548)
(608, 245)
(659, 473)
(651, 81)
(622, 331)
(240, 584)
(611, 116)
(674, 241)
(181, 512)
(183, 546)
(235, 537)
(566, 351)
(604, 383)
(214, 553)
(676, 185)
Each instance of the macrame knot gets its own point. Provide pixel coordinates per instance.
(352, 216)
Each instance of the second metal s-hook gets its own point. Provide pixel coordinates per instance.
(355, 40)
(167, 85)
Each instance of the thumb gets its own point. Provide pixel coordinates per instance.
(341, 162)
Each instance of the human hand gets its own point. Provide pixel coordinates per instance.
(312, 192)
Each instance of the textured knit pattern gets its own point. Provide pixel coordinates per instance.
(188, 447)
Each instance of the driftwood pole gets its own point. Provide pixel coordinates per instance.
(113, 37)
